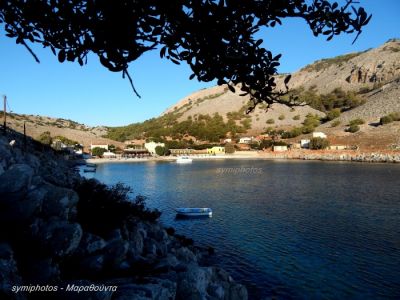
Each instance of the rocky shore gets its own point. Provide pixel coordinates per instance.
(45, 251)
(332, 155)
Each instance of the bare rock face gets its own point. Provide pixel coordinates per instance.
(59, 238)
(208, 283)
(375, 72)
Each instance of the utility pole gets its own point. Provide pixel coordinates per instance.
(24, 137)
(5, 113)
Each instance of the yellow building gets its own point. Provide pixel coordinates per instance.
(216, 150)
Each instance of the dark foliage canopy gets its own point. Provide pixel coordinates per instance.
(215, 38)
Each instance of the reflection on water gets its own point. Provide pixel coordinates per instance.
(293, 230)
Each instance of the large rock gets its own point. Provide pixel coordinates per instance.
(208, 283)
(59, 237)
(91, 265)
(14, 183)
(150, 247)
(186, 256)
(5, 154)
(115, 253)
(25, 209)
(90, 244)
(60, 202)
(193, 283)
(136, 243)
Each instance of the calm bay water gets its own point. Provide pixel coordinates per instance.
(291, 230)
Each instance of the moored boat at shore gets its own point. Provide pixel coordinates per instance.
(183, 160)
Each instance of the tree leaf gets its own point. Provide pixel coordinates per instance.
(61, 55)
(287, 79)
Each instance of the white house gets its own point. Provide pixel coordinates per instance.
(319, 135)
(151, 147)
(245, 140)
(109, 155)
(227, 141)
(305, 143)
(280, 148)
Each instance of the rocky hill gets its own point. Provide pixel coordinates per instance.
(373, 70)
(353, 71)
(36, 125)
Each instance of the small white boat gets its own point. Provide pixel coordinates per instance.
(194, 211)
(184, 160)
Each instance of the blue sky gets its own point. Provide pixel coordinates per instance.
(95, 96)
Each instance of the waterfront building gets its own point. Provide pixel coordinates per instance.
(216, 150)
(245, 140)
(280, 148)
(151, 147)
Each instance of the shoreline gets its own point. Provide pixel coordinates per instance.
(321, 155)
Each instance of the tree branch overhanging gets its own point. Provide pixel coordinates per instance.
(215, 37)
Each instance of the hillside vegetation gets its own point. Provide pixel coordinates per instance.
(201, 127)
(68, 130)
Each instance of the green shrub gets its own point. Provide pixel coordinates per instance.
(386, 120)
(161, 151)
(296, 117)
(270, 121)
(45, 138)
(390, 118)
(353, 128)
(266, 144)
(335, 123)
(395, 116)
(280, 143)
(333, 114)
(357, 121)
(308, 129)
(292, 133)
(318, 143)
(97, 151)
(101, 208)
(281, 117)
(312, 121)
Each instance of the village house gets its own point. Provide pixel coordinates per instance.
(109, 154)
(151, 147)
(279, 148)
(319, 135)
(135, 152)
(136, 142)
(245, 140)
(305, 143)
(185, 151)
(216, 150)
